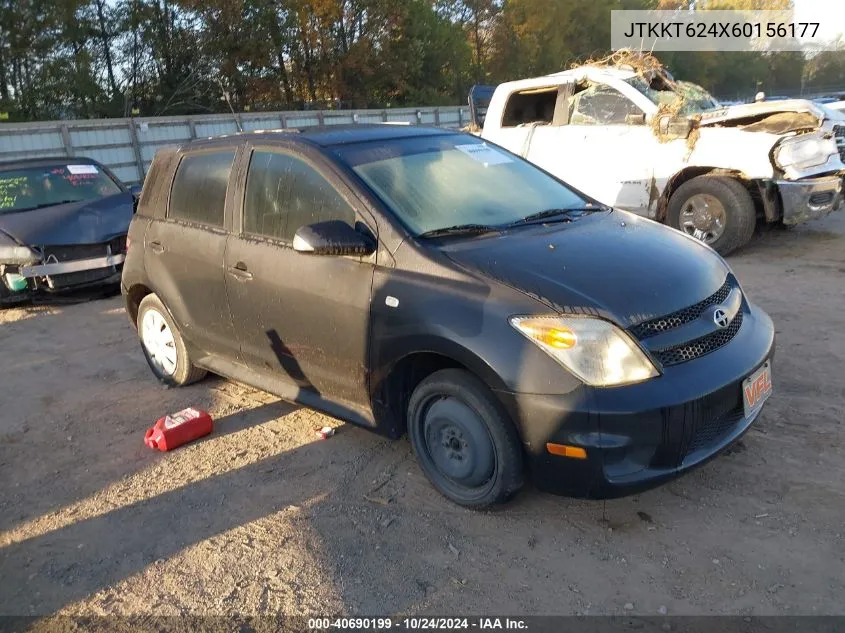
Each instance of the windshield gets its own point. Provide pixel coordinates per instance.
(435, 182)
(44, 186)
(695, 98)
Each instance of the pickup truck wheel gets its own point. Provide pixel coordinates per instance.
(717, 210)
(163, 346)
(465, 444)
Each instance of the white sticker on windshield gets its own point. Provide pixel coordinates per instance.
(82, 169)
(483, 153)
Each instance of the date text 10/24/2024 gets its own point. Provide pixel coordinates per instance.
(417, 624)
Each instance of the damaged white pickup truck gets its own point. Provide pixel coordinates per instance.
(641, 141)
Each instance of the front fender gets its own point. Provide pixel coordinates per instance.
(465, 321)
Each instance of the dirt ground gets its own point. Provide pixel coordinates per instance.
(263, 518)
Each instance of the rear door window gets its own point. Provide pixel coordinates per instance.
(284, 193)
(199, 189)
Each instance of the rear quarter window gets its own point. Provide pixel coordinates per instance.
(199, 189)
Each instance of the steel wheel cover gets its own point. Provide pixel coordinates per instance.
(458, 443)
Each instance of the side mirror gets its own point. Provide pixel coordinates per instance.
(331, 238)
(635, 119)
(135, 190)
(671, 127)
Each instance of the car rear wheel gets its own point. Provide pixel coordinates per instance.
(716, 210)
(163, 346)
(465, 444)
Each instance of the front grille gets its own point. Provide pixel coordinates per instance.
(681, 317)
(71, 252)
(68, 280)
(839, 133)
(699, 347)
(698, 424)
(714, 430)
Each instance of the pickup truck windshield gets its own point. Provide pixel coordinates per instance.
(695, 98)
(436, 182)
(45, 186)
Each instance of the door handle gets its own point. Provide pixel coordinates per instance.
(239, 271)
(157, 247)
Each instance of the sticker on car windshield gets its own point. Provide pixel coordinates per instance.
(483, 153)
(82, 169)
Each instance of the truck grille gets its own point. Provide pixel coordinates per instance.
(839, 133)
(699, 347)
(681, 317)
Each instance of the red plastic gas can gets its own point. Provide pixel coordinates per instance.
(178, 428)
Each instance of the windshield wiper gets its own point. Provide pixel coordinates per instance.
(460, 229)
(566, 215)
(48, 204)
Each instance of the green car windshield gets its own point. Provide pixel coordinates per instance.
(32, 188)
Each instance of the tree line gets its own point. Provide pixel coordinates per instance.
(107, 58)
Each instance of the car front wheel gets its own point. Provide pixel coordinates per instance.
(163, 346)
(465, 444)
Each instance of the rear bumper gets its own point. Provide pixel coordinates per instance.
(810, 198)
(640, 436)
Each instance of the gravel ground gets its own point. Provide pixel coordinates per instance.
(263, 518)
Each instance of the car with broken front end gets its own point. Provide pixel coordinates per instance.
(63, 225)
(637, 139)
(424, 282)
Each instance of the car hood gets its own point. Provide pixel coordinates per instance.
(87, 222)
(613, 264)
(750, 111)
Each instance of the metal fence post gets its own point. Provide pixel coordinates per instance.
(460, 117)
(384, 115)
(284, 121)
(192, 128)
(66, 140)
(133, 135)
(321, 119)
(437, 116)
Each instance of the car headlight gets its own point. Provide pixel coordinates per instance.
(805, 151)
(596, 351)
(18, 255)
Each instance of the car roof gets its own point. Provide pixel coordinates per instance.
(325, 136)
(24, 163)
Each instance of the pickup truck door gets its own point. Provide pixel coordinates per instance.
(596, 145)
(302, 318)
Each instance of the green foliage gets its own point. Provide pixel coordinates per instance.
(95, 58)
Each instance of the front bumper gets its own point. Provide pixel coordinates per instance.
(810, 198)
(73, 266)
(639, 436)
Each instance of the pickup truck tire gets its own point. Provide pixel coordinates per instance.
(733, 205)
(163, 345)
(465, 444)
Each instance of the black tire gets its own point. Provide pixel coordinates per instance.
(185, 372)
(455, 424)
(740, 215)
